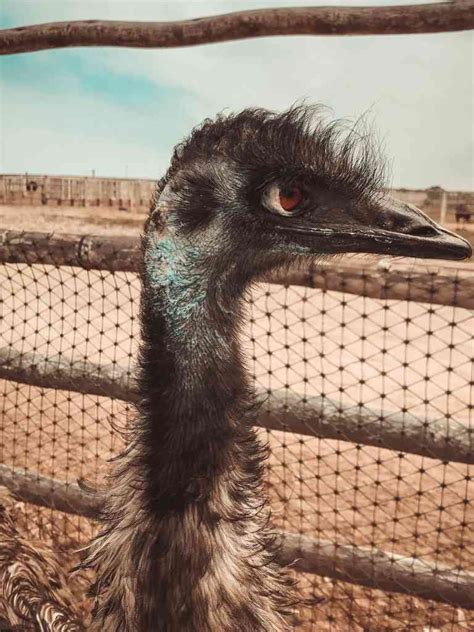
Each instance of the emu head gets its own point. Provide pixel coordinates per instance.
(257, 190)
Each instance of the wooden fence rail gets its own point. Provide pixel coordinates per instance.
(424, 282)
(280, 410)
(420, 18)
(364, 566)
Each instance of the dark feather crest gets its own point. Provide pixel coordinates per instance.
(344, 156)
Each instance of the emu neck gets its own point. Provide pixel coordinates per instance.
(193, 384)
(187, 548)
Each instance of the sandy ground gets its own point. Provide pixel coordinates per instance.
(302, 341)
(70, 219)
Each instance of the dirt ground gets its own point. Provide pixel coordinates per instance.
(388, 355)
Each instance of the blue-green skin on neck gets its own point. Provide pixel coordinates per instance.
(167, 265)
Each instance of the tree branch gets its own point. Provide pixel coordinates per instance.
(404, 19)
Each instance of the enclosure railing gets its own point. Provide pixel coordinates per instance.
(308, 416)
(434, 17)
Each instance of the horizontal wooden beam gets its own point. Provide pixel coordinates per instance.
(281, 410)
(446, 440)
(375, 568)
(427, 282)
(59, 373)
(357, 565)
(49, 492)
(343, 20)
(98, 252)
(390, 279)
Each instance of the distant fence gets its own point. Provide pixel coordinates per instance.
(61, 335)
(82, 191)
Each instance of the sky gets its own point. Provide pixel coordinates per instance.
(119, 112)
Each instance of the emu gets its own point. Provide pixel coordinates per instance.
(186, 543)
(34, 592)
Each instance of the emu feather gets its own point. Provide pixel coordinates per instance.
(34, 592)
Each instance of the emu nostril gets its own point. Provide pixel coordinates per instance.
(422, 231)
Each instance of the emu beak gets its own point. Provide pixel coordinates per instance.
(392, 228)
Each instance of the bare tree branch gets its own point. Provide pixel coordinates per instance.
(423, 18)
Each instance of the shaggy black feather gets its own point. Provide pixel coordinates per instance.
(296, 143)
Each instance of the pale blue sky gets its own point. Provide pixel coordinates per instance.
(120, 111)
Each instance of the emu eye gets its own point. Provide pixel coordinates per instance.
(290, 198)
(284, 201)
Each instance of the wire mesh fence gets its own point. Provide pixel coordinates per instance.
(366, 407)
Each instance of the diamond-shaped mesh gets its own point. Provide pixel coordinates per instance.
(392, 356)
